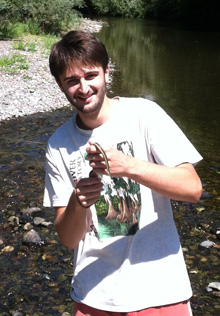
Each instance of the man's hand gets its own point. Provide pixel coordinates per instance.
(117, 161)
(88, 190)
(71, 221)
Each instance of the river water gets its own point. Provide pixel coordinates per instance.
(178, 69)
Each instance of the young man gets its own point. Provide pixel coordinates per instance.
(117, 218)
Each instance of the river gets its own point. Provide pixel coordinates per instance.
(178, 69)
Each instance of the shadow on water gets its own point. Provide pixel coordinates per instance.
(179, 70)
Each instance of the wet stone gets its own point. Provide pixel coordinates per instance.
(38, 220)
(32, 237)
(214, 286)
(8, 249)
(25, 219)
(31, 210)
(28, 226)
(13, 220)
(17, 313)
(205, 195)
(216, 231)
(207, 244)
(1, 241)
(46, 276)
(46, 224)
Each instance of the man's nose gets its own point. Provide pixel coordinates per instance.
(84, 88)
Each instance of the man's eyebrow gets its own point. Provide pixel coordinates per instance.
(85, 73)
(71, 77)
(92, 72)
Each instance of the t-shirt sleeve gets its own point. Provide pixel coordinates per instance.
(58, 185)
(168, 144)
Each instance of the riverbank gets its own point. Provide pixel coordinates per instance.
(32, 89)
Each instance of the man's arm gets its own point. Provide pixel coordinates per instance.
(179, 183)
(71, 222)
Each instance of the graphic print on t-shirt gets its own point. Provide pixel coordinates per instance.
(118, 208)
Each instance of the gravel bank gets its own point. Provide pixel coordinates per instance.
(32, 90)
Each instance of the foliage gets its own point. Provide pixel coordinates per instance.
(47, 16)
(125, 8)
(190, 11)
(101, 206)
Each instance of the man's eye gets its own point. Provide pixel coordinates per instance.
(72, 82)
(91, 76)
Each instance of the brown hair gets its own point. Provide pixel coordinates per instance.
(77, 47)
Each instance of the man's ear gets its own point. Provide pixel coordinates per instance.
(107, 74)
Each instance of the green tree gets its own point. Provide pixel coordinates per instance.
(199, 12)
(48, 16)
(125, 8)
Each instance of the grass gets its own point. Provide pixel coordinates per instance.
(16, 62)
(13, 63)
(31, 43)
(46, 41)
(21, 45)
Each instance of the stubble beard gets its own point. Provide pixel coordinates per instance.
(96, 106)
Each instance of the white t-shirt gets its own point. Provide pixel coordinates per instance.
(131, 257)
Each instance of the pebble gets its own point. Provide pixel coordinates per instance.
(30, 210)
(46, 224)
(213, 286)
(41, 221)
(216, 231)
(28, 226)
(205, 195)
(1, 241)
(8, 249)
(32, 90)
(13, 220)
(32, 237)
(207, 244)
(17, 313)
(38, 220)
(46, 276)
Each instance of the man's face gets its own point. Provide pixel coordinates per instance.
(85, 87)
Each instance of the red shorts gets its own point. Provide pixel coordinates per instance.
(179, 309)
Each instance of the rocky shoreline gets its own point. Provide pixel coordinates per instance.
(32, 90)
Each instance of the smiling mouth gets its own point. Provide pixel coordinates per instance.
(85, 98)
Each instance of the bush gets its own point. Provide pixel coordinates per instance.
(125, 8)
(189, 12)
(47, 16)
